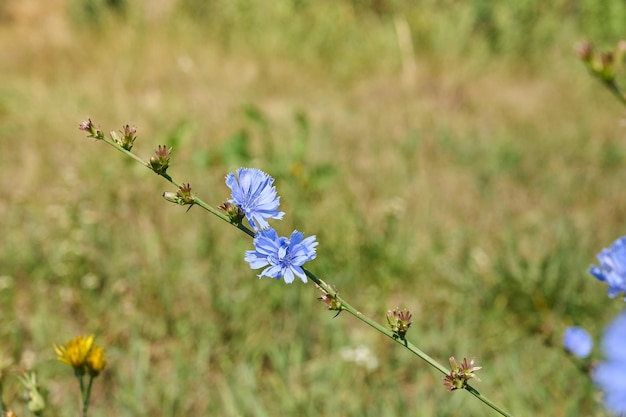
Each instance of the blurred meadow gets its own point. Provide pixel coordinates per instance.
(453, 158)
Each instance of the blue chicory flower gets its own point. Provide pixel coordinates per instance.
(577, 341)
(285, 256)
(252, 190)
(614, 339)
(612, 269)
(610, 376)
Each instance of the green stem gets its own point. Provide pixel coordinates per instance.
(3, 407)
(485, 400)
(344, 305)
(82, 385)
(197, 201)
(81, 381)
(222, 216)
(384, 330)
(612, 86)
(86, 396)
(402, 341)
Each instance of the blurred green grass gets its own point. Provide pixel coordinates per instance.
(467, 169)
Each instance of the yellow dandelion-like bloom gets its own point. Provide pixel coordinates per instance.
(75, 352)
(95, 360)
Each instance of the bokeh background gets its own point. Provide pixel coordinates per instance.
(453, 158)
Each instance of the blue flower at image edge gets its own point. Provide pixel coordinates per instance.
(610, 376)
(282, 256)
(612, 269)
(577, 341)
(252, 190)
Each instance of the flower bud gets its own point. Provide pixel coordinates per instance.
(95, 361)
(173, 198)
(128, 137)
(399, 321)
(94, 132)
(584, 51)
(184, 192)
(182, 197)
(606, 66)
(233, 211)
(331, 300)
(161, 161)
(460, 374)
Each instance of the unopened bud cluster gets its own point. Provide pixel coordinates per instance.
(233, 211)
(603, 64)
(399, 321)
(183, 196)
(125, 139)
(460, 374)
(161, 161)
(331, 300)
(128, 137)
(89, 127)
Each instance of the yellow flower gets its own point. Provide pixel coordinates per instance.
(75, 352)
(95, 360)
(82, 354)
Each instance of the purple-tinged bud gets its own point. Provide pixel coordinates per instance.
(331, 300)
(128, 137)
(84, 126)
(184, 192)
(606, 66)
(94, 132)
(399, 321)
(233, 211)
(161, 161)
(584, 50)
(460, 374)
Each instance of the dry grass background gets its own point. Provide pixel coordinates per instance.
(470, 186)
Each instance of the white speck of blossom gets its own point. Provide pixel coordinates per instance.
(361, 355)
